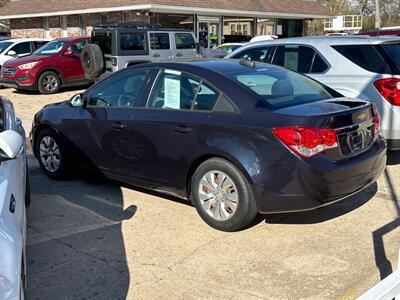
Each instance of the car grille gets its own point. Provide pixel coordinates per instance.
(8, 72)
(356, 139)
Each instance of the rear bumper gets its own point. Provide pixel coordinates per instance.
(299, 185)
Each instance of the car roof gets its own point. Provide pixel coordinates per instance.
(17, 40)
(213, 65)
(330, 40)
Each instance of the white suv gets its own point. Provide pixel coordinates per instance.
(356, 66)
(13, 48)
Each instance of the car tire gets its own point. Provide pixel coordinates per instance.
(28, 188)
(49, 83)
(228, 205)
(48, 149)
(92, 61)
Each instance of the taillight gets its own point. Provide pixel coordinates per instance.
(377, 123)
(389, 89)
(305, 141)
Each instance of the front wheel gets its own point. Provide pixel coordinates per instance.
(223, 196)
(50, 154)
(49, 83)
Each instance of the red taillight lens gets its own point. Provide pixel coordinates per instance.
(389, 89)
(377, 123)
(305, 141)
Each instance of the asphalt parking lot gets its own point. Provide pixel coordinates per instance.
(96, 239)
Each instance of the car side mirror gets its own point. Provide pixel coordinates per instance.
(11, 53)
(68, 53)
(11, 143)
(77, 100)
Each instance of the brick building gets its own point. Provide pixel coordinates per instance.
(54, 18)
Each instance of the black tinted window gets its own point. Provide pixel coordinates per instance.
(22, 48)
(394, 52)
(319, 65)
(263, 54)
(103, 40)
(120, 90)
(39, 44)
(295, 58)
(159, 41)
(184, 41)
(132, 41)
(364, 56)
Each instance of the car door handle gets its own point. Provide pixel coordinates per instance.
(119, 125)
(156, 55)
(182, 129)
(179, 54)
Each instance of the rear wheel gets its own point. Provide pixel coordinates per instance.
(223, 196)
(49, 83)
(50, 154)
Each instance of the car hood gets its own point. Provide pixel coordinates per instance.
(65, 103)
(13, 63)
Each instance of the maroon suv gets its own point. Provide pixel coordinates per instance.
(55, 65)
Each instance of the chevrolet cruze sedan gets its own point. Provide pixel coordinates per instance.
(236, 138)
(14, 197)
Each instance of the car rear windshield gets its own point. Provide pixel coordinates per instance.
(278, 87)
(366, 57)
(50, 48)
(103, 40)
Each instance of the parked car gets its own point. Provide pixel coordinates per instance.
(262, 38)
(51, 67)
(356, 66)
(236, 138)
(12, 48)
(14, 197)
(384, 31)
(115, 46)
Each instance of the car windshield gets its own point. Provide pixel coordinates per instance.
(278, 87)
(4, 45)
(50, 48)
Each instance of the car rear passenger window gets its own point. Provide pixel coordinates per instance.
(39, 44)
(295, 58)
(364, 56)
(184, 41)
(177, 90)
(319, 65)
(262, 54)
(132, 41)
(159, 41)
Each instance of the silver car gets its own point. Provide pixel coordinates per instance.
(355, 66)
(14, 197)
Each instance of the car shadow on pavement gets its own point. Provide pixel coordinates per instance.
(75, 246)
(326, 213)
(393, 158)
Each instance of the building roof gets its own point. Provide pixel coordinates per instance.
(261, 8)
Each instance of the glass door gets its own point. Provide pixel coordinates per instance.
(208, 32)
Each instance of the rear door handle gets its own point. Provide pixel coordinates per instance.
(156, 55)
(182, 129)
(179, 54)
(119, 125)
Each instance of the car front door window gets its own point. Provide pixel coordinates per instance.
(22, 48)
(122, 90)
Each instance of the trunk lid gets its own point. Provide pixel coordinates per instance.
(353, 121)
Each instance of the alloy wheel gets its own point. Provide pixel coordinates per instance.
(50, 83)
(50, 154)
(218, 195)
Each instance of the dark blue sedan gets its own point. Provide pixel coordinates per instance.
(236, 138)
